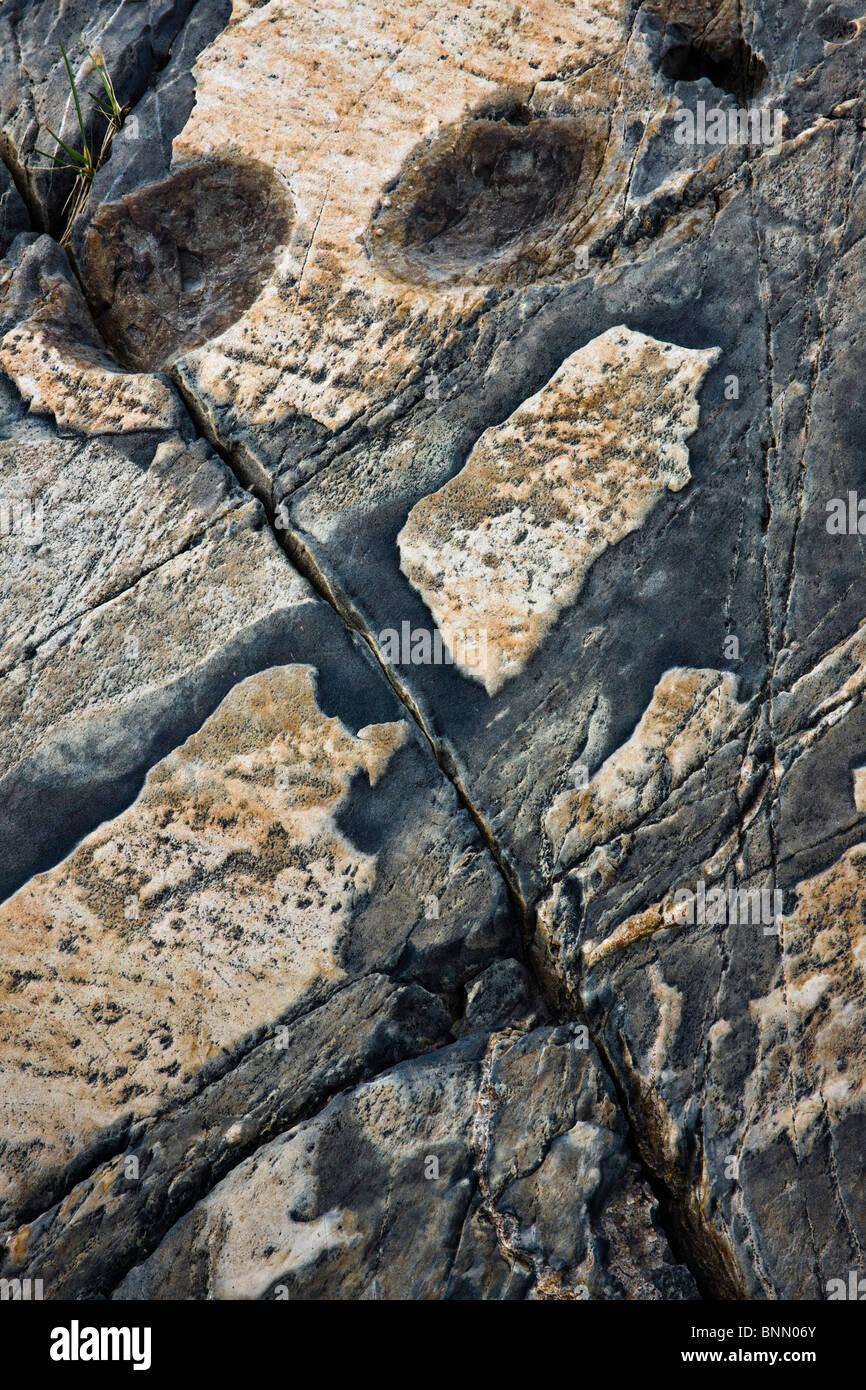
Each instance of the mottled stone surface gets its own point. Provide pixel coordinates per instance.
(507, 544)
(59, 363)
(495, 1138)
(429, 644)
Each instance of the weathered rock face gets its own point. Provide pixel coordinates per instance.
(498, 1136)
(433, 663)
(505, 546)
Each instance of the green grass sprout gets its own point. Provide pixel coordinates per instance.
(83, 161)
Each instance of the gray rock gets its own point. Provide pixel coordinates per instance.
(503, 995)
(539, 657)
(134, 41)
(157, 1169)
(141, 152)
(444, 1178)
(13, 213)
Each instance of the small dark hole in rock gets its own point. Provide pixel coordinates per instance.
(728, 61)
(175, 263)
(471, 203)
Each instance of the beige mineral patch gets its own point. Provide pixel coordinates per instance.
(340, 103)
(692, 714)
(507, 544)
(812, 1027)
(860, 789)
(199, 914)
(61, 369)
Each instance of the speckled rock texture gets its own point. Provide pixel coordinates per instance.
(433, 657)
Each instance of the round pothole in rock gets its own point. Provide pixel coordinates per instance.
(175, 263)
(691, 39)
(727, 60)
(481, 201)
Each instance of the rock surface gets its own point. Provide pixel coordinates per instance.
(58, 362)
(505, 546)
(433, 654)
(497, 1136)
(13, 213)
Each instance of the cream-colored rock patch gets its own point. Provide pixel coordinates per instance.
(58, 371)
(811, 1069)
(507, 544)
(335, 101)
(197, 915)
(691, 715)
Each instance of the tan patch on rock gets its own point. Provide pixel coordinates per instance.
(640, 925)
(60, 368)
(507, 544)
(811, 1068)
(691, 715)
(196, 916)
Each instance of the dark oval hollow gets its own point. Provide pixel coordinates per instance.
(730, 63)
(468, 204)
(175, 263)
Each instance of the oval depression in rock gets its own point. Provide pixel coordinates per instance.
(175, 263)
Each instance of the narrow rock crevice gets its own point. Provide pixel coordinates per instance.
(302, 558)
(16, 173)
(691, 1245)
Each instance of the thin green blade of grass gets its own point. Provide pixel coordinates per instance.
(112, 98)
(82, 161)
(71, 76)
(73, 154)
(58, 162)
(115, 110)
